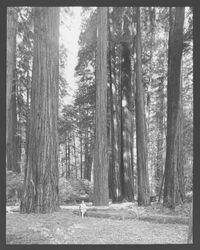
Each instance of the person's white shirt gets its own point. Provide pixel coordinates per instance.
(83, 208)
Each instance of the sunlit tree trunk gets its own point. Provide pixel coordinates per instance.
(41, 183)
(143, 181)
(101, 196)
(114, 170)
(126, 131)
(173, 102)
(11, 115)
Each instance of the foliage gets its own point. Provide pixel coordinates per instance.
(71, 189)
(14, 185)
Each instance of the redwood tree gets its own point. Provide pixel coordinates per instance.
(11, 115)
(173, 102)
(143, 181)
(126, 126)
(41, 182)
(101, 151)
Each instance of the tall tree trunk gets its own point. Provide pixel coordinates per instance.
(90, 156)
(41, 183)
(66, 157)
(75, 154)
(114, 167)
(160, 126)
(180, 171)
(126, 124)
(86, 154)
(11, 115)
(69, 158)
(18, 108)
(111, 179)
(81, 154)
(101, 149)
(117, 139)
(28, 92)
(143, 181)
(173, 99)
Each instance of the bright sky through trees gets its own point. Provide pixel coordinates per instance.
(70, 37)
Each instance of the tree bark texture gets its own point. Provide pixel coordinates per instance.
(41, 183)
(173, 100)
(101, 196)
(11, 115)
(126, 128)
(114, 166)
(143, 179)
(160, 126)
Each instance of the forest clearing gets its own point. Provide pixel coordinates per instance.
(99, 116)
(64, 227)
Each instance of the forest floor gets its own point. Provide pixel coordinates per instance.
(66, 227)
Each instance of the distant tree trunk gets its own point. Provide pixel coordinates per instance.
(114, 171)
(86, 154)
(180, 171)
(66, 158)
(90, 156)
(41, 183)
(101, 196)
(18, 108)
(27, 127)
(160, 126)
(69, 158)
(81, 154)
(128, 183)
(143, 181)
(173, 100)
(11, 115)
(111, 174)
(114, 191)
(75, 154)
(117, 139)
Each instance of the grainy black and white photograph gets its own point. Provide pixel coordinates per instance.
(99, 125)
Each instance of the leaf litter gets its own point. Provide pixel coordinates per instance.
(64, 227)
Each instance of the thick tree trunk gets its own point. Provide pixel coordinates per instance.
(143, 181)
(41, 183)
(173, 99)
(101, 149)
(126, 124)
(11, 115)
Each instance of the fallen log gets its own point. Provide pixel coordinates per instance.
(118, 215)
